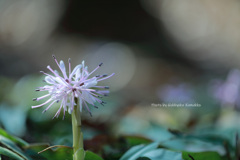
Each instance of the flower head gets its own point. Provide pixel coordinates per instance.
(65, 89)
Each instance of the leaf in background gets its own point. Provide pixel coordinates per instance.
(8, 153)
(23, 91)
(136, 140)
(131, 152)
(16, 140)
(97, 143)
(133, 125)
(15, 125)
(61, 153)
(221, 140)
(193, 145)
(12, 146)
(163, 154)
(137, 151)
(111, 147)
(92, 156)
(218, 136)
(143, 158)
(201, 156)
(214, 136)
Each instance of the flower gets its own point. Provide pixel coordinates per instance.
(179, 93)
(227, 92)
(76, 85)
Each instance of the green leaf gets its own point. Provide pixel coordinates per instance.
(12, 146)
(163, 154)
(16, 140)
(18, 116)
(92, 156)
(193, 145)
(143, 158)
(136, 140)
(201, 156)
(79, 154)
(50, 154)
(10, 154)
(131, 152)
(137, 151)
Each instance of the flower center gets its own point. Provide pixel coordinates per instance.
(74, 89)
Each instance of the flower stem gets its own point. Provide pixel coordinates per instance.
(78, 150)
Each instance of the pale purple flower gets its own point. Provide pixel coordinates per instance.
(228, 91)
(179, 93)
(64, 89)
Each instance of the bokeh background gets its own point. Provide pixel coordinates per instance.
(162, 51)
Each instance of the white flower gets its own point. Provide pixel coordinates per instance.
(64, 89)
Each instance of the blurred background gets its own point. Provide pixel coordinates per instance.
(162, 51)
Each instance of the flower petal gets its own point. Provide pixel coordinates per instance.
(88, 97)
(40, 105)
(62, 67)
(91, 83)
(75, 70)
(78, 75)
(49, 80)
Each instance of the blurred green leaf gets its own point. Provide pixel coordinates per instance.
(216, 137)
(131, 152)
(193, 145)
(62, 153)
(92, 156)
(15, 125)
(137, 151)
(143, 158)
(163, 154)
(12, 146)
(201, 156)
(8, 153)
(16, 140)
(136, 140)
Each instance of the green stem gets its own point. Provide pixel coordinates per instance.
(78, 150)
